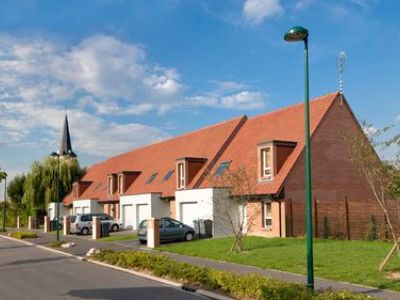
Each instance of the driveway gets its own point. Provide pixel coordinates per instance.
(27, 272)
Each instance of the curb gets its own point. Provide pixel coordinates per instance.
(174, 284)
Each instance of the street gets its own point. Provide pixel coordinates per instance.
(27, 272)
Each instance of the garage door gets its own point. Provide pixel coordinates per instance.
(142, 213)
(127, 215)
(189, 213)
(85, 210)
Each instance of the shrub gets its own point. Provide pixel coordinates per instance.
(23, 235)
(245, 286)
(56, 244)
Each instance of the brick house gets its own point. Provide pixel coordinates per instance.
(169, 178)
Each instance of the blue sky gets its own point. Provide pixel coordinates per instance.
(133, 72)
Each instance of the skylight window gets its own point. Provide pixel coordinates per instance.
(151, 178)
(222, 168)
(168, 175)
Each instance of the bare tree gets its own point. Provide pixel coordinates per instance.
(234, 191)
(379, 175)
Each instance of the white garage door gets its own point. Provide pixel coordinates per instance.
(85, 210)
(189, 213)
(127, 215)
(142, 213)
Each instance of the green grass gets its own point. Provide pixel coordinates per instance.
(352, 261)
(119, 238)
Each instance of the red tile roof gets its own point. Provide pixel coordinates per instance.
(235, 140)
(286, 124)
(159, 158)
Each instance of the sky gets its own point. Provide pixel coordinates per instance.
(130, 73)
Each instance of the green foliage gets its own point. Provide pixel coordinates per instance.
(15, 190)
(246, 286)
(56, 244)
(23, 235)
(40, 186)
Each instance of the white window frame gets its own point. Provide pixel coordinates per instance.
(181, 175)
(266, 216)
(266, 170)
(120, 184)
(110, 184)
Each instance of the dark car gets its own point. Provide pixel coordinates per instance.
(170, 230)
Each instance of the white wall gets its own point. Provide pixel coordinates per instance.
(157, 208)
(93, 206)
(52, 210)
(206, 207)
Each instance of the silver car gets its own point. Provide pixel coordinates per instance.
(82, 223)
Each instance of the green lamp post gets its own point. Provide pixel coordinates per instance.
(297, 34)
(56, 155)
(3, 175)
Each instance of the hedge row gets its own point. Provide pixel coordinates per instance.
(23, 235)
(247, 286)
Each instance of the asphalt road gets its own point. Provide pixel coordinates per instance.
(27, 272)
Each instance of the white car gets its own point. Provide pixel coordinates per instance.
(82, 223)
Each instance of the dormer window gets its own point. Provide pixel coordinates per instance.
(111, 184)
(120, 184)
(181, 175)
(266, 162)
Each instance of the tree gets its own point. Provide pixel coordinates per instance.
(381, 176)
(234, 191)
(15, 190)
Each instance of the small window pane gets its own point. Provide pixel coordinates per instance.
(222, 167)
(151, 178)
(168, 175)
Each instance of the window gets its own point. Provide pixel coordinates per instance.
(168, 175)
(120, 184)
(172, 224)
(110, 185)
(266, 162)
(222, 167)
(267, 215)
(181, 175)
(151, 178)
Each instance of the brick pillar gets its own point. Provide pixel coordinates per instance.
(153, 233)
(46, 227)
(66, 226)
(96, 234)
(18, 222)
(30, 223)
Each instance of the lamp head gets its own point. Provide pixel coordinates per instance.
(296, 34)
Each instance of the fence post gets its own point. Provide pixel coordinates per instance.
(346, 207)
(315, 217)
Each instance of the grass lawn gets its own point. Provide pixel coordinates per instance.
(352, 261)
(119, 238)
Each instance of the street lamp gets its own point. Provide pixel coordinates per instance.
(56, 155)
(297, 34)
(3, 175)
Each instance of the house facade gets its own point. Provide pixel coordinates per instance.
(171, 178)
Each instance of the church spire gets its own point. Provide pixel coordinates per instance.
(65, 145)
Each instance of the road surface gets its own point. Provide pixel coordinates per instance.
(27, 272)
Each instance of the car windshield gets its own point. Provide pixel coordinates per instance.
(143, 224)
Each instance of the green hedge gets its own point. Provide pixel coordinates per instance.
(23, 235)
(247, 286)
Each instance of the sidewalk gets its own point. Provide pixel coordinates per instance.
(83, 244)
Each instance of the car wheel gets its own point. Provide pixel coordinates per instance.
(85, 231)
(142, 242)
(189, 236)
(114, 228)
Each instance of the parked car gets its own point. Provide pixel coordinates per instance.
(170, 230)
(82, 223)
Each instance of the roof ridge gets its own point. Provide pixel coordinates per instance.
(176, 137)
(294, 105)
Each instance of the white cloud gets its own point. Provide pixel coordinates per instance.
(302, 4)
(256, 11)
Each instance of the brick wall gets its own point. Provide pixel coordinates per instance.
(334, 180)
